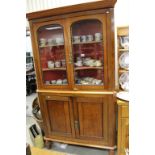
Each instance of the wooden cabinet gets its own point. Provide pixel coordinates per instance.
(123, 127)
(74, 58)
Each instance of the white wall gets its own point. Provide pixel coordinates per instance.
(122, 13)
(121, 8)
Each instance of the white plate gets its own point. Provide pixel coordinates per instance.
(124, 81)
(123, 95)
(124, 60)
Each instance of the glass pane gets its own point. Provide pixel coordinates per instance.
(52, 55)
(87, 49)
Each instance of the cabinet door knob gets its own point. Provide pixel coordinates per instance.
(75, 89)
(76, 124)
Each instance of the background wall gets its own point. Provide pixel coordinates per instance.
(121, 8)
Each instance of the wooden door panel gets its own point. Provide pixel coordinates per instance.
(90, 118)
(59, 116)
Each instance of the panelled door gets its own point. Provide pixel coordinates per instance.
(57, 116)
(90, 114)
(87, 53)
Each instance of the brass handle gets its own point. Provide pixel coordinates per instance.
(76, 124)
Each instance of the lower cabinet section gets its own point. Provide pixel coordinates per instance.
(81, 120)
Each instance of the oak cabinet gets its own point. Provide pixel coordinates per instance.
(74, 59)
(123, 127)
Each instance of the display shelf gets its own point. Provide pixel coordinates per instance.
(87, 67)
(54, 45)
(90, 42)
(53, 69)
(123, 70)
(123, 49)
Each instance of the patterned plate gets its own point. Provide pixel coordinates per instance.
(124, 60)
(124, 81)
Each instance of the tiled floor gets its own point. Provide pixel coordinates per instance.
(72, 149)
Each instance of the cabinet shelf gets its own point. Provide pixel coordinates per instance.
(54, 45)
(123, 49)
(87, 67)
(90, 42)
(123, 70)
(53, 69)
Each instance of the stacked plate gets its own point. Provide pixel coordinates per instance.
(124, 60)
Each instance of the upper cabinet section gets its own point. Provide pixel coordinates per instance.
(74, 50)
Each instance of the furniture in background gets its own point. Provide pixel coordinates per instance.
(123, 99)
(74, 58)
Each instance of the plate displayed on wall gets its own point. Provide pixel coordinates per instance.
(124, 60)
(124, 81)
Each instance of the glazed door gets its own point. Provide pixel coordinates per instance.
(51, 55)
(90, 118)
(57, 116)
(88, 52)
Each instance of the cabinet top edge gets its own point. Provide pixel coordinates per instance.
(99, 4)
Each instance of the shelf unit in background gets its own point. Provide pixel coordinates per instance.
(123, 106)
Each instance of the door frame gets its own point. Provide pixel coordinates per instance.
(36, 51)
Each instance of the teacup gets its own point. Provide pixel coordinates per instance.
(97, 63)
(42, 41)
(53, 81)
(64, 81)
(47, 82)
(83, 38)
(50, 41)
(98, 36)
(59, 81)
(76, 39)
(63, 62)
(59, 40)
(50, 64)
(98, 82)
(57, 64)
(79, 63)
(89, 37)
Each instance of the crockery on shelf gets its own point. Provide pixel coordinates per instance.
(42, 41)
(124, 42)
(98, 36)
(83, 38)
(97, 63)
(57, 64)
(89, 37)
(79, 63)
(50, 41)
(59, 81)
(64, 81)
(76, 39)
(63, 62)
(124, 81)
(124, 60)
(50, 64)
(53, 81)
(59, 40)
(47, 82)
